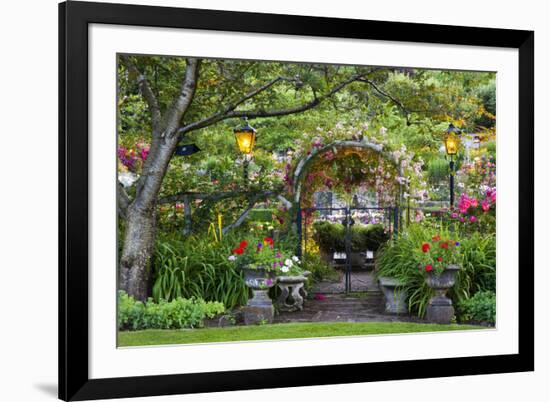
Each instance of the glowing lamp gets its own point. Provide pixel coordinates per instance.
(246, 137)
(452, 140)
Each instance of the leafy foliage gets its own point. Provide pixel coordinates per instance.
(331, 236)
(414, 105)
(438, 169)
(176, 314)
(400, 259)
(320, 269)
(197, 267)
(481, 307)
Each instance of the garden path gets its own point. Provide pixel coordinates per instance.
(331, 304)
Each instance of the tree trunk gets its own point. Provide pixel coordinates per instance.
(139, 241)
(139, 238)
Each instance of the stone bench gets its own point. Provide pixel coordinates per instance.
(293, 292)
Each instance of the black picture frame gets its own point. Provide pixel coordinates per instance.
(74, 18)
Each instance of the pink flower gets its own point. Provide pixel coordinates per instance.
(485, 206)
(144, 153)
(464, 203)
(473, 219)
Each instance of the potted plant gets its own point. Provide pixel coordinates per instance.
(440, 263)
(261, 263)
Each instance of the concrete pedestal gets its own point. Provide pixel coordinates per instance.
(259, 308)
(440, 310)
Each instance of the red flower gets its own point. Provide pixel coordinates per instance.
(243, 244)
(425, 247)
(268, 240)
(428, 267)
(436, 238)
(444, 245)
(439, 259)
(238, 250)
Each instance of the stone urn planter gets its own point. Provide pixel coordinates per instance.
(440, 308)
(394, 294)
(259, 309)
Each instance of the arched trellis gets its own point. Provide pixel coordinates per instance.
(303, 166)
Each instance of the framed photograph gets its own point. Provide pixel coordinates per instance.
(258, 200)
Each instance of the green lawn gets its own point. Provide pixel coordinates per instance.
(277, 331)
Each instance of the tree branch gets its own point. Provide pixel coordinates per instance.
(251, 204)
(181, 197)
(123, 201)
(185, 97)
(145, 90)
(387, 95)
(240, 219)
(219, 115)
(230, 112)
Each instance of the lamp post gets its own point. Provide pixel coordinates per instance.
(245, 137)
(452, 141)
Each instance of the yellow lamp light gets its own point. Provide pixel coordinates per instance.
(452, 140)
(246, 137)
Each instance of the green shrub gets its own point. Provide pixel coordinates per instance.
(331, 237)
(481, 307)
(399, 259)
(261, 214)
(320, 269)
(176, 314)
(438, 169)
(375, 236)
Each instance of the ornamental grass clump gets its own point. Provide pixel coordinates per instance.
(197, 267)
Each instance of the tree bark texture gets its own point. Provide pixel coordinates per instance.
(139, 238)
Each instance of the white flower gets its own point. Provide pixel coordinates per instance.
(383, 130)
(295, 259)
(270, 227)
(232, 258)
(285, 269)
(127, 178)
(288, 262)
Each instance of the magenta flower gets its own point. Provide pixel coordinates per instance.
(473, 219)
(144, 153)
